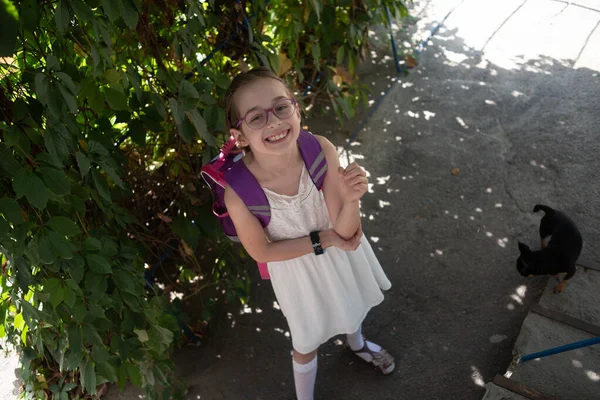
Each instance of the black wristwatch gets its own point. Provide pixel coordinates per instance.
(316, 243)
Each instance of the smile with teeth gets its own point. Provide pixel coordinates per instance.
(277, 137)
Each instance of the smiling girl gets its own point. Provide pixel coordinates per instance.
(323, 270)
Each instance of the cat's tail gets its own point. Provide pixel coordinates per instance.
(541, 207)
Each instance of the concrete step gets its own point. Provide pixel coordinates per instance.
(557, 320)
(495, 392)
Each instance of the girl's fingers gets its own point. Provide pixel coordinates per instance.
(352, 172)
(358, 180)
(353, 168)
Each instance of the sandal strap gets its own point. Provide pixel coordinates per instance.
(381, 359)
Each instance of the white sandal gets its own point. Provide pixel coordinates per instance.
(381, 360)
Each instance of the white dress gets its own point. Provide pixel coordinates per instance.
(320, 296)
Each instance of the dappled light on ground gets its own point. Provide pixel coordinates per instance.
(476, 376)
(518, 296)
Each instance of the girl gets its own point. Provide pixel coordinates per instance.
(321, 295)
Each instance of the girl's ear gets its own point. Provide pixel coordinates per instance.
(239, 137)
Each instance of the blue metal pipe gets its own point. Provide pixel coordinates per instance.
(394, 48)
(559, 349)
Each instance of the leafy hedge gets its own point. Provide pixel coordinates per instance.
(109, 108)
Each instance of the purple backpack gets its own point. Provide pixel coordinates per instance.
(228, 169)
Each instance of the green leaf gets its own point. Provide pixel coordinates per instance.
(91, 335)
(51, 285)
(98, 264)
(29, 312)
(97, 311)
(76, 269)
(340, 56)
(46, 158)
(129, 13)
(62, 17)
(8, 164)
(15, 138)
(142, 335)
(96, 101)
(113, 174)
(111, 9)
(64, 225)
(99, 354)
(70, 297)
(9, 20)
(316, 52)
(107, 371)
(112, 76)
(83, 163)
(137, 132)
(56, 141)
(28, 184)
(124, 281)
(121, 376)
(56, 180)
(200, 126)
(88, 377)
(186, 130)
(148, 374)
(178, 114)
(109, 247)
(19, 322)
(165, 336)
(116, 99)
(318, 8)
(52, 62)
(70, 283)
(80, 312)
(69, 98)
(57, 296)
(30, 14)
(134, 374)
(46, 253)
(11, 211)
(92, 244)
(186, 230)
(95, 147)
(42, 85)
(82, 10)
(68, 82)
(60, 245)
(93, 281)
(187, 90)
(101, 185)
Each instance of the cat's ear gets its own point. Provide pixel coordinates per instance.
(523, 248)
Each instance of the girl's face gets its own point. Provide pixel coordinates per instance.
(277, 136)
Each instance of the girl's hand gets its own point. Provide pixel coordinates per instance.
(330, 238)
(353, 182)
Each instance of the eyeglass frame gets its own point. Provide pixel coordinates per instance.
(268, 111)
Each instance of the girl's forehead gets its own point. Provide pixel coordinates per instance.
(259, 93)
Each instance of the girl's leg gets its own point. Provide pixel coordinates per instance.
(357, 342)
(305, 374)
(370, 352)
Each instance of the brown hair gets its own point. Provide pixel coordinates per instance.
(241, 80)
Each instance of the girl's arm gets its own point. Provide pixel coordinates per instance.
(254, 240)
(344, 213)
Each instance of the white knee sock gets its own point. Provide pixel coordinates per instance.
(356, 342)
(304, 379)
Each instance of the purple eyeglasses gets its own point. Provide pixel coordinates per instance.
(257, 119)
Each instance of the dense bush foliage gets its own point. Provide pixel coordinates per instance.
(108, 110)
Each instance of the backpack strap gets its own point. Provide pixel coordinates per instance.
(313, 156)
(241, 180)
